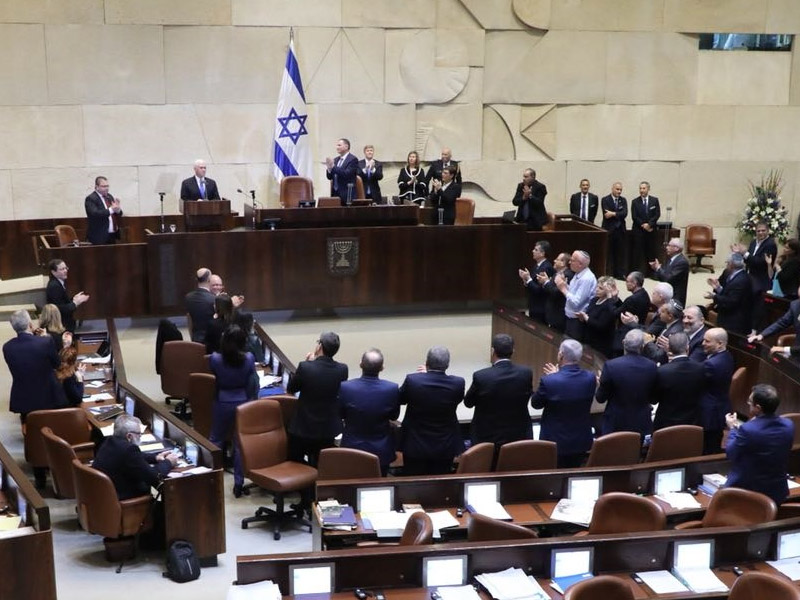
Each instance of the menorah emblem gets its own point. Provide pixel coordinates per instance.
(343, 256)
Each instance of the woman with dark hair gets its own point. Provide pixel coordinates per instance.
(411, 180)
(786, 272)
(70, 375)
(237, 383)
(254, 344)
(223, 317)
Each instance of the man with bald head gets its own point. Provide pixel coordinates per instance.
(675, 269)
(200, 305)
(615, 210)
(438, 165)
(218, 287)
(368, 405)
(199, 187)
(716, 402)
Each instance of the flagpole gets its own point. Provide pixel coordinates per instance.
(291, 34)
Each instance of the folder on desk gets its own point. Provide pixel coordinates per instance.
(343, 517)
(560, 584)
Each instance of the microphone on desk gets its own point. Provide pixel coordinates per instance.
(252, 195)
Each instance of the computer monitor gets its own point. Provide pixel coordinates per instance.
(668, 480)
(376, 499)
(788, 544)
(311, 579)
(584, 488)
(444, 570)
(485, 491)
(574, 561)
(693, 554)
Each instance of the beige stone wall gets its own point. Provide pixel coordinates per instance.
(606, 89)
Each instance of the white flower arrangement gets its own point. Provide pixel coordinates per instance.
(765, 205)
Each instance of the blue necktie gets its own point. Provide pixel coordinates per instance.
(203, 189)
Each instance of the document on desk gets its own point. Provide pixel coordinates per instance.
(193, 471)
(512, 584)
(101, 397)
(788, 566)
(94, 384)
(151, 447)
(386, 524)
(442, 519)
(97, 360)
(574, 511)
(662, 582)
(488, 508)
(700, 580)
(268, 380)
(458, 592)
(17, 532)
(792, 484)
(261, 590)
(9, 522)
(679, 500)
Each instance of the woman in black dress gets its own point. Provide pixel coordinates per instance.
(411, 180)
(600, 317)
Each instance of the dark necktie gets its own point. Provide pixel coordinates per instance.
(584, 208)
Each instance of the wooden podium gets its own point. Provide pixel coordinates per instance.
(206, 215)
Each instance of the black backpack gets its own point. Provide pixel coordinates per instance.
(182, 562)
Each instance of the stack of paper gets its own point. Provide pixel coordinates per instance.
(442, 519)
(458, 592)
(788, 566)
(489, 508)
(385, 524)
(700, 580)
(662, 582)
(511, 584)
(265, 380)
(574, 511)
(679, 500)
(261, 590)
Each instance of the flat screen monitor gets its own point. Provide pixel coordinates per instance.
(668, 480)
(575, 561)
(584, 488)
(444, 570)
(694, 554)
(788, 544)
(485, 491)
(375, 499)
(192, 453)
(311, 579)
(159, 427)
(130, 404)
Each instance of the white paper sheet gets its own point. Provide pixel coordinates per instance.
(788, 566)
(574, 511)
(679, 500)
(701, 580)
(458, 592)
(662, 582)
(512, 584)
(491, 509)
(98, 360)
(261, 590)
(442, 519)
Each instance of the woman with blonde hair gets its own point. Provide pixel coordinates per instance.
(411, 180)
(600, 317)
(70, 375)
(50, 324)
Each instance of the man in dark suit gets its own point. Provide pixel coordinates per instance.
(759, 256)
(200, 305)
(554, 300)
(733, 296)
(316, 421)
(367, 406)
(680, 384)
(431, 437)
(438, 165)
(500, 395)
(443, 196)
(627, 384)
(759, 449)
(534, 285)
(615, 211)
(342, 172)
(565, 393)
(199, 187)
(674, 271)
(791, 318)
(104, 214)
(529, 198)
(632, 311)
(695, 329)
(716, 403)
(371, 172)
(645, 213)
(56, 293)
(584, 204)
(132, 472)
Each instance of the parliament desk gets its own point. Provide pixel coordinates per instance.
(529, 496)
(27, 571)
(401, 567)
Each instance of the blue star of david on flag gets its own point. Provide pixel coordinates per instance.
(285, 122)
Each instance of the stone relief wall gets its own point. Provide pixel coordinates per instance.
(605, 89)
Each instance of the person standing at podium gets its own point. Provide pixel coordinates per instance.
(529, 198)
(104, 214)
(342, 171)
(371, 172)
(199, 187)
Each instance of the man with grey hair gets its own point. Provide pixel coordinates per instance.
(32, 360)
(675, 270)
(732, 296)
(680, 384)
(431, 437)
(199, 187)
(500, 395)
(132, 472)
(627, 384)
(200, 305)
(694, 327)
(578, 292)
(565, 394)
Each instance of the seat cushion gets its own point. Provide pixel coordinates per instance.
(287, 476)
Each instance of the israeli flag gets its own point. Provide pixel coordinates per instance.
(292, 149)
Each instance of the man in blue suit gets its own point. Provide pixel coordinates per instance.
(716, 402)
(759, 449)
(342, 171)
(500, 395)
(368, 405)
(628, 385)
(430, 436)
(565, 393)
(534, 285)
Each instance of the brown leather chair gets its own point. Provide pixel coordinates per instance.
(465, 211)
(787, 339)
(735, 506)
(795, 419)
(478, 459)
(527, 455)
(740, 391)
(615, 450)
(418, 530)
(678, 441)
(619, 512)
(700, 242)
(329, 202)
(263, 445)
(763, 586)
(66, 235)
(288, 404)
(294, 190)
(59, 459)
(347, 463)
(202, 393)
(70, 424)
(102, 513)
(360, 194)
(603, 587)
(550, 224)
(179, 359)
(485, 529)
